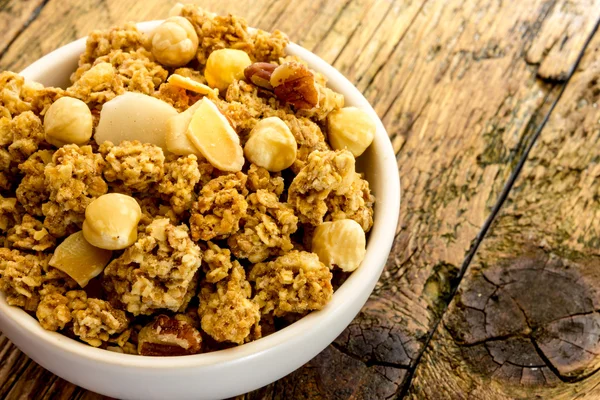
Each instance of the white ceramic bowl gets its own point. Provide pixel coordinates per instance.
(238, 370)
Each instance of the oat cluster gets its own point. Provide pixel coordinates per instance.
(220, 256)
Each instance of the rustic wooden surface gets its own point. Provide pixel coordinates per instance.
(464, 87)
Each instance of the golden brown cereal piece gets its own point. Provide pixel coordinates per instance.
(137, 166)
(356, 204)
(177, 185)
(32, 191)
(169, 336)
(216, 263)
(18, 95)
(259, 178)
(98, 321)
(296, 282)
(101, 42)
(226, 311)
(156, 272)
(53, 312)
(219, 32)
(30, 234)
(293, 83)
(220, 206)
(10, 213)
(20, 276)
(266, 228)
(137, 70)
(73, 180)
(178, 97)
(97, 85)
(28, 134)
(326, 172)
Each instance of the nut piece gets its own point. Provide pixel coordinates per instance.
(271, 145)
(295, 84)
(225, 66)
(190, 84)
(351, 128)
(177, 126)
(167, 336)
(340, 243)
(134, 116)
(175, 42)
(68, 120)
(260, 74)
(79, 259)
(111, 221)
(210, 132)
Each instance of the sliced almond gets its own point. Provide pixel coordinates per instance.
(79, 259)
(134, 116)
(177, 126)
(212, 134)
(191, 85)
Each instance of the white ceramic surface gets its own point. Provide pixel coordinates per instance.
(234, 371)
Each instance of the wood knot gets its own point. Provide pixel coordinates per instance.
(530, 320)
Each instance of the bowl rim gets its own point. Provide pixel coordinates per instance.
(378, 247)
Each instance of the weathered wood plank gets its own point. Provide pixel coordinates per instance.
(461, 103)
(525, 323)
(14, 15)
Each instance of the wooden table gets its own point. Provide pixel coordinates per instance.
(492, 289)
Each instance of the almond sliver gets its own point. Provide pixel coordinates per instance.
(210, 132)
(191, 85)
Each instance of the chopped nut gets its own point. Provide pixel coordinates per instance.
(225, 66)
(260, 74)
(175, 42)
(212, 134)
(68, 120)
(293, 83)
(177, 127)
(169, 336)
(340, 243)
(79, 259)
(192, 85)
(134, 116)
(271, 145)
(111, 221)
(350, 128)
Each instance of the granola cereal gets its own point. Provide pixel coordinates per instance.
(240, 158)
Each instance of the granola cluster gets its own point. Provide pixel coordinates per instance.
(202, 255)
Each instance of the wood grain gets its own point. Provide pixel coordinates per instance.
(455, 82)
(15, 15)
(525, 322)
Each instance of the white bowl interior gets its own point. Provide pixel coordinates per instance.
(310, 334)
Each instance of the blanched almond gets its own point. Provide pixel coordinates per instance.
(177, 126)
(210, 132)
(79, 259)
(134, 116)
